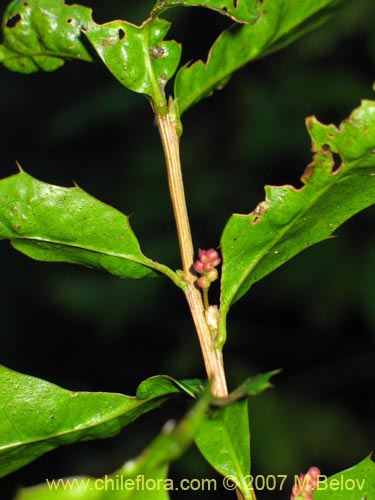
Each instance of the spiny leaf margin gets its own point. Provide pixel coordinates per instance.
(290, 219)
(280, 23)
(42, 34)
(137, 56)
(242, 11)
(57, 224)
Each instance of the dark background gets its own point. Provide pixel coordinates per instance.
(314, 317)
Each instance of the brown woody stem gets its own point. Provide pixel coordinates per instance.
(213, 360)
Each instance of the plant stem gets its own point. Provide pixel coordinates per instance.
(212, 356)
(205, 300)
(241, 497)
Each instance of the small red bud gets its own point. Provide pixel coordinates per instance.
(307, 483)
(212, 254)
(202, 255)
(207, 266)
(203, 282)
(199, 266)
(314, 472)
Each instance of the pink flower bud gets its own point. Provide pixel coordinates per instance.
(207, 266)
(203, 282)
(202, 255)
(314, 472)
(198, 266)
(303, 490)
(212, 254)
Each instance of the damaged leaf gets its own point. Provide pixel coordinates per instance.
(243, 11)
(280, 23)
(291, 219)
(42, 34)
(137, 56)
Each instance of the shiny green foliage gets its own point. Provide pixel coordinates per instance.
(224, 440)
(42, 34)
(224, 437)
(57, 224)
(221, 432)
(51, 223)
(356, 483)
(141, 477)
(279, 23)
(246, 11)
(37, 416)
(289, 219)
(137, 55)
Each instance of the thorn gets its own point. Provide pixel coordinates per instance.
(20, 169)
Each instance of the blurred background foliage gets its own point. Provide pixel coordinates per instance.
(314, 317)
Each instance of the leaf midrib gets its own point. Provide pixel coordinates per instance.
(122, 256)
(236, 462)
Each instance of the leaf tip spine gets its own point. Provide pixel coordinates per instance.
(20, 169)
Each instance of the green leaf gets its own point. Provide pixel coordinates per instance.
(356, 483)
(290, 219)
(224, 440)
(137, 56)
(57, 224)
(224, 436)
(162, 384)
(37, 416)
(245, 11)
(280, 23)
(251, 387)
(42, 34)
(139, 478)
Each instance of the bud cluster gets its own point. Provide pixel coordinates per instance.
(206, 265)
(303, 489)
